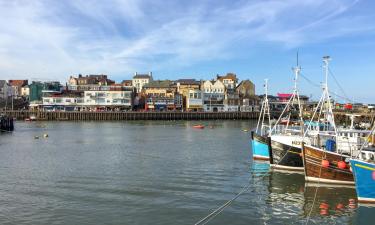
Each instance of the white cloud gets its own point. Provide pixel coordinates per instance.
(51, 39)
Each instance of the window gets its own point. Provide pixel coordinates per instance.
(191, 95)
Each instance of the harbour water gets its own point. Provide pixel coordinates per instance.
(154, 172)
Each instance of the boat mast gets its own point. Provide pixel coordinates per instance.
(329, 115)
(264, 110)
(291, 101)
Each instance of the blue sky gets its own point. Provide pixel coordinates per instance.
(48, 39)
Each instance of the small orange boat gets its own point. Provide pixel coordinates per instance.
(199, 126)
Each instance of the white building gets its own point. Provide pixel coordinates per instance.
(65, 103)
(111, 99)
(25, 91)
(141, 79)
(213, 96)
(194, 100)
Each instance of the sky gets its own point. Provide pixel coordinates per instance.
(51, 40)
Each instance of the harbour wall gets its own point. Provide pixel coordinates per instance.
(102, 116)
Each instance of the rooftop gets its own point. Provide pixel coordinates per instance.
(187, 81)
(18, 83)
(142, 76)
(158, 84)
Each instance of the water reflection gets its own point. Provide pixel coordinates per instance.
(285, 194)
(329, 200)
(289, 198)
(260, 168)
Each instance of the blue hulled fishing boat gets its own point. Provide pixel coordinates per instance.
(260, 141)
(364, 177)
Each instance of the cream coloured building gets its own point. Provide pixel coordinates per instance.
(139, 80)
(213, 96)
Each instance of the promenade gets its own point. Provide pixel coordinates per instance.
(103, 116)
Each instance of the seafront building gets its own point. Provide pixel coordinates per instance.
(213, 95)
(96, 92)
(139, 80)
(16, 86)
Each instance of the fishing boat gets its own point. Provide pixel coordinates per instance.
(286, 137)
(326, 158)
(260, 145)
(364, 174)
(260, 142)
(363, 167)
(326, 167)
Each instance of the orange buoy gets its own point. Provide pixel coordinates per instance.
(373, 175)
(325, 163)
(324, 212)
(323, 205)
(340, 206)
(341, 165)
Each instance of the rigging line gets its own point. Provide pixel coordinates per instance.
(338, 84)
(331, 92)
(310, 81)
(339, 96)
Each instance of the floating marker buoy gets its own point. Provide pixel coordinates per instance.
(45, 135)
(341, 165)
(323, 205)
(36, 137)
(324, 212)
(325, 163)
(340, 206)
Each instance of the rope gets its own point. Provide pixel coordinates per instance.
(217, 211)
(338, 84)
(221, 208)
(330, 92)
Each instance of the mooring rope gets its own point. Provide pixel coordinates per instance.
(221, 208)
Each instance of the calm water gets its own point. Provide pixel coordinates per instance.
(153, 173)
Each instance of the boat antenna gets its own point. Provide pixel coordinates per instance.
(297, 59)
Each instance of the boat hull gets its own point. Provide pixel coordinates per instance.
(260, 147)
(285, 157)
(364, 174)
(315, 172)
